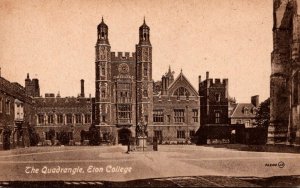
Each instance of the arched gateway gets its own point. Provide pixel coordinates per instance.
(123, 136)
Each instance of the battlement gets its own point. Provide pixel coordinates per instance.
(122, 56)
(215, 82)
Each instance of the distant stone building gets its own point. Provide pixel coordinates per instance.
(69, 114)
(285, 74)
(245, 113)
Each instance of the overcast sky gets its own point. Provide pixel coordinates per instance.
(55, 40)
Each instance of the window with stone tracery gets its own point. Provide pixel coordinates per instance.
(124, 102)
(182, 92)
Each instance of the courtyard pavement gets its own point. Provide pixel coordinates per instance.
(179, 165)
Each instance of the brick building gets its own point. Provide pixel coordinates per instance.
(16, 109)
(285, 80)
(176, 115)
(69, 114)
(214, 101)
(124, 92)
(32, 87)
(245, 113)
(214, 121)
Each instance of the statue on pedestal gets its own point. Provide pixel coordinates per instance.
(141, 129)
(141, 134)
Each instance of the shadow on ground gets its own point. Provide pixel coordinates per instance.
(258, 148)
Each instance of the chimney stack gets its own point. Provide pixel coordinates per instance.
(207, 75)
(255, 100)
(82, 88)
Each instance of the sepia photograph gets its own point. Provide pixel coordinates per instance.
(149, 93)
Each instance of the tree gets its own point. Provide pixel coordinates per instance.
(34, 137)
(52, 136)
(263, 114)
(63, 137)
(94, 135)
(6, 137)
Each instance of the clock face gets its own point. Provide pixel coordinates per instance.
(123, 68)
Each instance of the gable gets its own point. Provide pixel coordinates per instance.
(182, 84)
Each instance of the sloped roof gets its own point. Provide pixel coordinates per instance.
(181, 78)
(239, 111)
(66, 102)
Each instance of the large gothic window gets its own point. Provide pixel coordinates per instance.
(182, 92)
(124, 113)
(123, 100)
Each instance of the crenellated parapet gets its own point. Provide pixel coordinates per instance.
(122, 56)
(217, 82)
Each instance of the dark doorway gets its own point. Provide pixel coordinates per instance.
(123, 136)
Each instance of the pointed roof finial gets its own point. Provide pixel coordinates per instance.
(181, 70)
(144, 20)
(169, 68)
(102, 19)
(27, 75)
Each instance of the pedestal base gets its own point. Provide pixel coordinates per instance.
(142, 142)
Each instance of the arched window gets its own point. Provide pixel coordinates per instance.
(145, 93)
(103, 94)
(182, 92)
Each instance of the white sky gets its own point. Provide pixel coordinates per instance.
(54, 40)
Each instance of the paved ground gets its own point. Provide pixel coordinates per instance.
(170, 166)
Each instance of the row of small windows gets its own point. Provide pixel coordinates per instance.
(61, 118)
(179, 116)
(247, 122)
(180, 134)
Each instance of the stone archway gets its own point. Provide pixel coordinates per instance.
(123, 136)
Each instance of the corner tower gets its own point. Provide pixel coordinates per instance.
(144, 82)
(281, 70)
(103, 74)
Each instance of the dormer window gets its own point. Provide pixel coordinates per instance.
(254, 110)
(246, 111)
